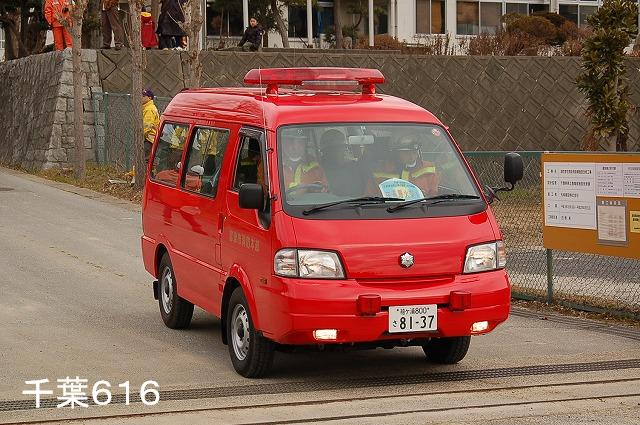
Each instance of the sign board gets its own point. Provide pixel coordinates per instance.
(591, 203)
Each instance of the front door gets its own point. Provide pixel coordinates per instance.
(245, 240)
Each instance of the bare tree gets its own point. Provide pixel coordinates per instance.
(192, 26)
(75, 26)
(137, 68)
(337, 20)
(280, 25)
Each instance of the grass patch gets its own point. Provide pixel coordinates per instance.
(97, 178)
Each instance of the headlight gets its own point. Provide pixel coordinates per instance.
(489, 256)
(308, 264)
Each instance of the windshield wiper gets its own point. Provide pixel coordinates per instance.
(437, 198)
(358, 201)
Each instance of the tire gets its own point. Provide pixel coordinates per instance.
(250, 352)
(176, 312)
(447, 350)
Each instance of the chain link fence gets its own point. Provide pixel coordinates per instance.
(590, 282)
(586, 281)
(115, 147)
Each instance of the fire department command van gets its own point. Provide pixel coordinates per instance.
(322, 214)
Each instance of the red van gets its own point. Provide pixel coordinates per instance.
(313, 211)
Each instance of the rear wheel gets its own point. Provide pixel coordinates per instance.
(176, 312)
(447, 350)
(251, 353)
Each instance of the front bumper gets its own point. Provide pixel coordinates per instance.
(291, 309)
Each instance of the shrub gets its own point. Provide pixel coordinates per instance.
(533, 26)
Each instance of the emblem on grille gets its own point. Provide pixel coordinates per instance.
(406, 260)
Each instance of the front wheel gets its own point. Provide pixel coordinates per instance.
(251, 353)
(447, 350)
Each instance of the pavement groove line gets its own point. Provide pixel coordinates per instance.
(298, 387)
(343, 400)
(441, 409)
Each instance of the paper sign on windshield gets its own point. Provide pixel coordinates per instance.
(398, 188)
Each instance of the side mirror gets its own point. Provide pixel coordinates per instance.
(513, 168)
(251, 196)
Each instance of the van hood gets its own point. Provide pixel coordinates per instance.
(371, 249)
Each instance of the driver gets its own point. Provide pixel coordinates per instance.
(297, 167)
(409, 166)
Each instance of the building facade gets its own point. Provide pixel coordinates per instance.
(406, 20)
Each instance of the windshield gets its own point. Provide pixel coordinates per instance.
(327, 163)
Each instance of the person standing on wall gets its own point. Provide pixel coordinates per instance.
(150, 121)
(111, 23)
(252, 38)
(171, 15)
(56, 12)
(149, 37)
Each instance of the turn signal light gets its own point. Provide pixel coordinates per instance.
(325, 334)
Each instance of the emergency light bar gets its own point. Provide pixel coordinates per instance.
(273, 77)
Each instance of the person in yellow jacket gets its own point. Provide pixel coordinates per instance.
(150, 121)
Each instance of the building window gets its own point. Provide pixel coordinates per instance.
(577, 13)
(474, 18)
(519, 8)
(468, 17)
(430, 16)
(1, 39)
(586, 11)
(490, 17)
(224, 22)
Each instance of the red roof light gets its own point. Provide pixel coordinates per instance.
(273, 77)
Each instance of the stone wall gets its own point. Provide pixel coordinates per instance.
(490, 103)
(36, 109)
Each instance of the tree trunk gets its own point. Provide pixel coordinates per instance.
(636, 45)
(192, 26)
(337, 20)
(137, 68)
(92, 37)
(280, 25)
(155, 10)
(78, 110)
(24, 21)
(611, 142)
(14, 48)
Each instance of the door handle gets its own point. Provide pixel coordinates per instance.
(220, 223)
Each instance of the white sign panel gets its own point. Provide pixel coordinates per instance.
(631, 177)
(570, 195)
(612, 222)
(609, 180)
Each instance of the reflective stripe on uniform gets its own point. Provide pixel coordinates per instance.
(302, 168)
(422, 171)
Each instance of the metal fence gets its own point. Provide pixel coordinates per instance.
(590, 282)
(115, 147)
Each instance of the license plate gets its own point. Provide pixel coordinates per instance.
(413, 318)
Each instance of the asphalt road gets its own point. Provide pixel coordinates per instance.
(75, 300)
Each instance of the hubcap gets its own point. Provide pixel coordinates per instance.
(240, 332)
(166, 290)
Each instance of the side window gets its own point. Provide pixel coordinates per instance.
(249, 168)
(204, 160)
(166, 162)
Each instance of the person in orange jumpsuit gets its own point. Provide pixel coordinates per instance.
(409, 166)
(299, 170)
(56, 12)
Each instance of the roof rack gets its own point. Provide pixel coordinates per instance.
(323, 77)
